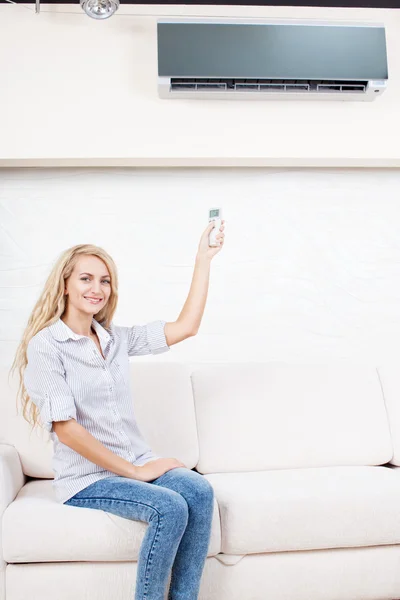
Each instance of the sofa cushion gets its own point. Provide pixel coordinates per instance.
(260, 416)
(160, 392)
(38, 529)
(389, 374)
(281, 510)
(305, 509)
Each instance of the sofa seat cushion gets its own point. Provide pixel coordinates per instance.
(38, 529)
(305, 509)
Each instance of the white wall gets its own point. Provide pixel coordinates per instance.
(310, 270)
(76, 91)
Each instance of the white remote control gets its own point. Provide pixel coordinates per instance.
(214, 214)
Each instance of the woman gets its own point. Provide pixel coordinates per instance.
(74, 371)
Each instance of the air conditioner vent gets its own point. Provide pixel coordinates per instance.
(268, 85)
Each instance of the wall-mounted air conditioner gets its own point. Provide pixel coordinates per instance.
(243, 59)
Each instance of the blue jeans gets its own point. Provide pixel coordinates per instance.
(178, 506)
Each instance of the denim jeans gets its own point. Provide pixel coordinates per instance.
(178, 507)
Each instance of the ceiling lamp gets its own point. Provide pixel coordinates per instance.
(99, 9)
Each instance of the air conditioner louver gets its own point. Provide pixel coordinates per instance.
(267, 85)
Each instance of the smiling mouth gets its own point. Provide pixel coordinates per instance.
(94, 301)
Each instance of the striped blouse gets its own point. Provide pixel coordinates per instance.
(66, 377)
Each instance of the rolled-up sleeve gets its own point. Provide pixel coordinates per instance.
(45, 383)
(146, 339)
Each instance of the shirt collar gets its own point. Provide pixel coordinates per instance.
(61, 332)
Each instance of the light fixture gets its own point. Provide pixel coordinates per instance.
(99, 9)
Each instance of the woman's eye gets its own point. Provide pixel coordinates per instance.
(85, 278)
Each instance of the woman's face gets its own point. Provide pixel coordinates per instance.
(89, 279)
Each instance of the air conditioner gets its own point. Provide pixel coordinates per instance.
(271, 60)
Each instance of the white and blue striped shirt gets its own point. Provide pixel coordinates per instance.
(66, 377)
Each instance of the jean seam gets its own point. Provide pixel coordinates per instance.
(114, 500)
(146, 582)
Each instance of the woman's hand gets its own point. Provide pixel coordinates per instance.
(156, 468)
(206, 251)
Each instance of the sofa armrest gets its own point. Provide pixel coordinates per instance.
(12, 479)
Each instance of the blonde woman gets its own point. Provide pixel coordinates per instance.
(74, 374)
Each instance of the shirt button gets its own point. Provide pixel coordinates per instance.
(111, 389)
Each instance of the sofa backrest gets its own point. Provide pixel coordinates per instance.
(389, 374)
(163, 404)
(260, 416)
(229, 417)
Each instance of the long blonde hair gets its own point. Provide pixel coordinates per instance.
(51, 306)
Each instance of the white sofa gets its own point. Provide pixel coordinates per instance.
(303, 460)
